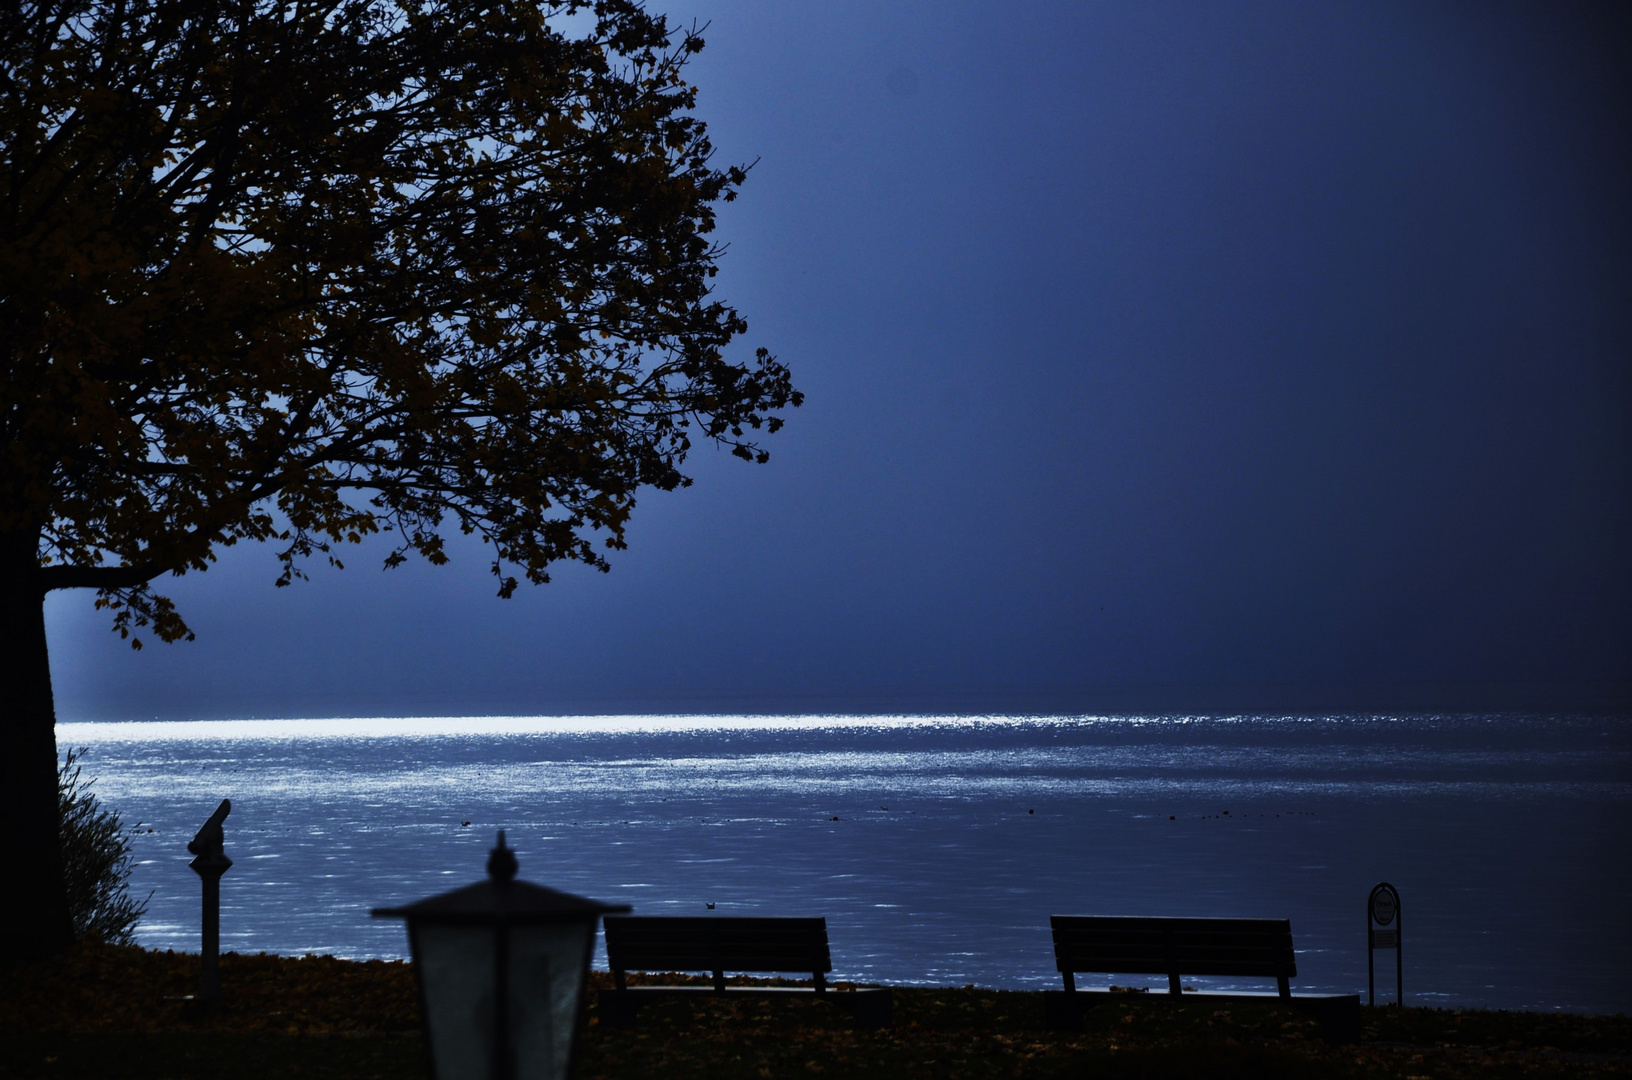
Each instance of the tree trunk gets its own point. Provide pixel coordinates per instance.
(33, 903)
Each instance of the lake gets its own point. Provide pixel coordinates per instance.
(937, 847)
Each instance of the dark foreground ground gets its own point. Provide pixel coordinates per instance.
(103, 1012)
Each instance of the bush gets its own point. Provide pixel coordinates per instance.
(96, 862)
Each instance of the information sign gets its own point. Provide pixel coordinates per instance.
(1382, 906)
(1383, 932)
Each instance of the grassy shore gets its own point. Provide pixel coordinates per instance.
(111, 1012)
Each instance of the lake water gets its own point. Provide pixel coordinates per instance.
(1509, 838)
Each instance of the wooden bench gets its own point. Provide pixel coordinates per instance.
(1179, 947)
(719, 945)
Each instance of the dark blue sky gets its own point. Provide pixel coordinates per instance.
(1157, 356)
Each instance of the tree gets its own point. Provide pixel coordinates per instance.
(96, 864)
(306, 272)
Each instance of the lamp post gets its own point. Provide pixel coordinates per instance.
(501, 966)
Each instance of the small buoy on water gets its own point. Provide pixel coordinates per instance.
(835, 817)
(464, 823)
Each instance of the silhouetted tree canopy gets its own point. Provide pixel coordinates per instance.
(304, 272)
(307, 272)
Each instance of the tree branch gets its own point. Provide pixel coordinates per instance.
(97, 577)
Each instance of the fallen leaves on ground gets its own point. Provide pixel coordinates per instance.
(130, 989)
(305, 1015)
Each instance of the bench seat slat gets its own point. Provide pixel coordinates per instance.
(803, 963)
(1183, 966)
(1177, 948)
(1176, 944)
(1273, 954)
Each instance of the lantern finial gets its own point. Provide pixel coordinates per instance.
(501, 862)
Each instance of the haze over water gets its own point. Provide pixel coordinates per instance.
(954, 841)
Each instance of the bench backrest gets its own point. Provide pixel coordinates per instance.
(1174, 947)
(716, 945)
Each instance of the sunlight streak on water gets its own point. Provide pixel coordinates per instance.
(486, 727)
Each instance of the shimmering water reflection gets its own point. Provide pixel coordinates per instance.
(955, 838)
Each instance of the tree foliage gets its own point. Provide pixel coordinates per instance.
(304, 272)
(95, 861)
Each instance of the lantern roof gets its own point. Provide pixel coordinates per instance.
(501, 899)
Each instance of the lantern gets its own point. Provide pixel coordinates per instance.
(501, 966)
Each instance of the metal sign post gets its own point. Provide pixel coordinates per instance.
(210, 864)
(1383, 932)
